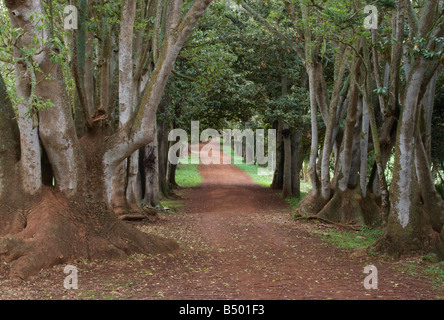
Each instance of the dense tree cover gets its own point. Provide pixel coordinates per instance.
(86, 114)
(255, 82)
(86, 101)
(380, 100)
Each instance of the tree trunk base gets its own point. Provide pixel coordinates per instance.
(310, 205)
(420, 236)
(145, 213)
(57, 231)
(347, 207)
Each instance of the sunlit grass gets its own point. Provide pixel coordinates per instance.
(187, 175)
(355, 240)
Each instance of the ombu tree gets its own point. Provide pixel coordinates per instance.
(400, 100)
(374, 92)
(416, 218)
(43, 226)
(330, 49)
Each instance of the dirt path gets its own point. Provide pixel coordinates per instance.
(237, 241)
(269, 256)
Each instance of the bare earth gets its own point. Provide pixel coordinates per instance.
(238, 241)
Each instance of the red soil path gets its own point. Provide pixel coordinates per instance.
(269, 256)
(238, 241)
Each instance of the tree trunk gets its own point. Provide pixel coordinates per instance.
(10, 188)
(74, 220)
(296, 163)
(151, 174)
(364, 148)
(314, 132)
(277, 182)
(163, 144)
(134, 187)
(287, 173)
(416, 218)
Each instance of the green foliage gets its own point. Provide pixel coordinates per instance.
(440, 190)
(230, 73)
(386, 4)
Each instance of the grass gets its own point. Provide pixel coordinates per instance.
(353, 239)
(171, 204)
(427, 267)
(252, 170)
(436, 273)
(294, 201)
(187, 175)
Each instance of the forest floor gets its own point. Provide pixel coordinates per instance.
(238, 241)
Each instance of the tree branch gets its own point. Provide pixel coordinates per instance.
(273, 30)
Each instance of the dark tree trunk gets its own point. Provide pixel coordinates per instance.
(279, 171)
(296, 163)
(287, 172)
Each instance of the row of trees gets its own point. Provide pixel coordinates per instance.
(86, 101)
(361, 97)
(86, 114)
(374, 90)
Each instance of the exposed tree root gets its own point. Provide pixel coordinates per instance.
(57, 232)
(310, 205)
(145, 213)
(418, 237)
(346, 226)
(347, 207)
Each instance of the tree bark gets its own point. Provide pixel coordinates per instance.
(296, 163)
(287, 174)
(151, 174)
(278, 175)
(416, 218)
(74, 220)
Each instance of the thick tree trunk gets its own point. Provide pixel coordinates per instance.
(416, 218)
(349, 134)
(134, 187)
(119, 184)
(11, 194)
(74, 220)
(151, 174)
(29, 136)
(121, 179)
(287, 174)
(277, 182)
(296, 163)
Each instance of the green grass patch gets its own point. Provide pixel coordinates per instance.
(305, 187)
(353, 239)
(252, 171)
(436, 274)
(171, 204)
(294, 201)
(427, 268)
(187, 175)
